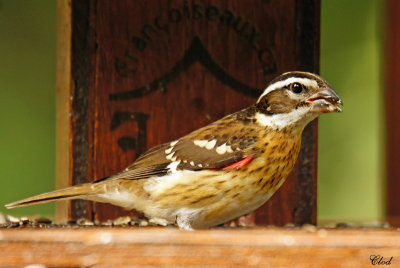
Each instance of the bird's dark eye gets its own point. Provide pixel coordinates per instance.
(296, 88)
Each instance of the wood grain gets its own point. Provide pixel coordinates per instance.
(392, 109)
(63, 94)
(254, 247)
(149, 72)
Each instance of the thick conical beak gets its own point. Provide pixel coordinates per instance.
(325, 101)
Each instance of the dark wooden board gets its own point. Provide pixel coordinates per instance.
(392, 109)
(148, 72)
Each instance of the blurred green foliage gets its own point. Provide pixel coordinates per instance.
(350, 147)
(27, 101)
(351, 144)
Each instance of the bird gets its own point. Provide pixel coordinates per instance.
(221, 171)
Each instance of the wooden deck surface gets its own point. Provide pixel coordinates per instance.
(220, 247)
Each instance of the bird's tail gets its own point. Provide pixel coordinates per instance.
(83, 191)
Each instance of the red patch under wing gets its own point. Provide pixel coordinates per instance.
(239, 164)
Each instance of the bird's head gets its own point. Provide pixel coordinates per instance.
(295, 99)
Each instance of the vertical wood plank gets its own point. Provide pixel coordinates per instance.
(81, 56)
(392, 95)
(148, 73)
(63, 101)
(309, 34)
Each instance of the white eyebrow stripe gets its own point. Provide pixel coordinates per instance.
(280, 84)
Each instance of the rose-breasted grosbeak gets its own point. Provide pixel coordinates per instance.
(221, 171)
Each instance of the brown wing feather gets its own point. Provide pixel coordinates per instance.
(194, 157)
(153, 157)
(142, 172)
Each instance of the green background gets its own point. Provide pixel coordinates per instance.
(27, 101)
(351, 174)
(350, 144)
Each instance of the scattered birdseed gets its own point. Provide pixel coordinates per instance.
(134, 221)
(2, 219)
(244, 224)
(143, 223)
(309, 228)
(289, 225)
(84, 222)
(12, 219)
(106, 223)
(122, 221)
(375, 224)
(24, 220)
(42, 220)
(329, 225)
(72, 222)
(344, 224)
